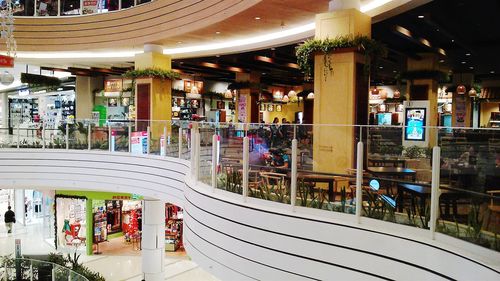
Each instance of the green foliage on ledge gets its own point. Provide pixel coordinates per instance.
(373, 50)
(152, 73)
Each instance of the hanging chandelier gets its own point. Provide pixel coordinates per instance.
(7, 33)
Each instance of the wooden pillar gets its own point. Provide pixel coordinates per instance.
(341, 96)
(153, 95)
(426, 89)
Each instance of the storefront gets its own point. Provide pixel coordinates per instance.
(114, 220)
(115, 102)
(285, 106)
(173, 228)
(27, 109)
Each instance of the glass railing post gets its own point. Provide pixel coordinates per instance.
(246, 161)
(89, 137)
(180, 141)
(436, 174)
(129, 137)
(109, 138)
(359, 181)
(31, 270)
(18, 136)
(163, 152)
(67, 136)
(43, 135)
(197, 149)
(148, 145)
(215, 152)
(193, 151)
(293, 180)
(53, 273)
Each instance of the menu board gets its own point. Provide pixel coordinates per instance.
(415, 124)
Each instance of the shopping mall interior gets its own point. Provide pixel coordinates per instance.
(249, 140)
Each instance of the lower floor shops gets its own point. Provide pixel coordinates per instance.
(90, 222)
(108, 223)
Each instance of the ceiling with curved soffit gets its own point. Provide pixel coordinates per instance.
(125, 29)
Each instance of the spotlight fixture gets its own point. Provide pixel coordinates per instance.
(257, 18)
(467, 54)
(217, 32)
(421, 17)
(464, 62)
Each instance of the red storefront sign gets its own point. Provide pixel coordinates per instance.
(6, 61)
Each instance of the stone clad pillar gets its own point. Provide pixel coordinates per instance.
(341, 96)
(153, 240)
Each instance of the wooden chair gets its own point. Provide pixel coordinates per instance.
(271, 178)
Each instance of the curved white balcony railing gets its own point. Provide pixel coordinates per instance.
(247, 220)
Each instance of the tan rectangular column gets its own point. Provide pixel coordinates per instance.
(336, 94)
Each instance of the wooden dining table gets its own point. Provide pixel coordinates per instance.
(333, 181)
(398, 173)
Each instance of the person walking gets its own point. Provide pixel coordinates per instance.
(10, 219)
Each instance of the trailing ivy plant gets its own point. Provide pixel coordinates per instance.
(153, 73)
(372, 50)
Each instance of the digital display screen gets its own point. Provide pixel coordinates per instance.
(415, 124)
(384, 118)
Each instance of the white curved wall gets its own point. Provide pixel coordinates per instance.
(152, 176)
(248, 241)
(257, 240)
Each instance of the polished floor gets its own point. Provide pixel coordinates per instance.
(115, 266)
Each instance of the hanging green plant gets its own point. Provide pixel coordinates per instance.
(152, 73)
(372, 50)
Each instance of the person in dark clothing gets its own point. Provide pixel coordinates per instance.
(10, 219)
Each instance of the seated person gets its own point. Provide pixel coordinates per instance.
(280, 160)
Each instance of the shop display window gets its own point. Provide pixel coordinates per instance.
(127, 4)
(23, 8)
(70, 7)
(71, 223)
(47, 8)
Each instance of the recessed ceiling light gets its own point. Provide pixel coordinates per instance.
(381, 67)
(217, 32)
(492, 72)
(257, 18)
(272, 49)
(421, 17)
(467, 54)
(452, 40)
(441, 61)
(218, 56)
(464, 62)
(471, 67)
(394, 71)
(263, 73)
(179, 42)
(437, 30)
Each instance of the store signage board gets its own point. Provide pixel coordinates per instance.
(6, 61)
(89, 7)
(139, 141)
(113, 85)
